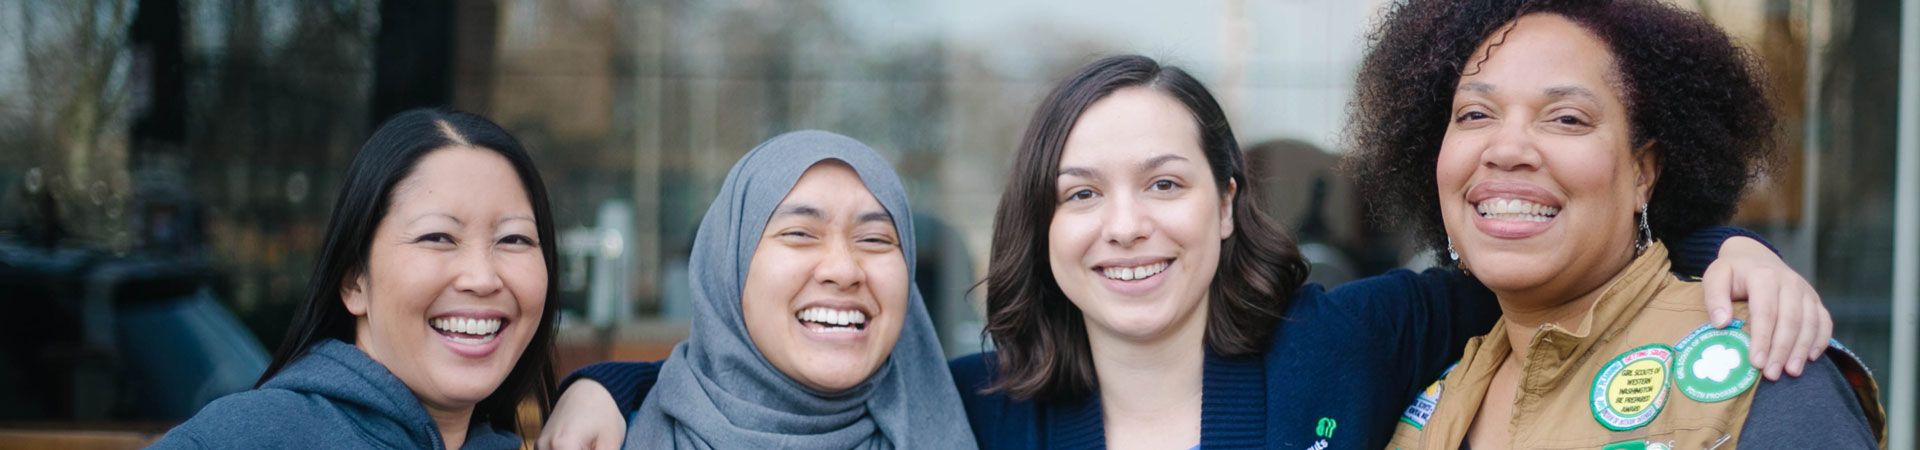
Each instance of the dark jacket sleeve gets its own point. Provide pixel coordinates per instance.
(628, 381)
(1692, 254)
(1421, 321)
(998, 422)
(1816, 410)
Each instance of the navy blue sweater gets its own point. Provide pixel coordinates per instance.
(334, 396)
(1350, 358)
(1342, 366)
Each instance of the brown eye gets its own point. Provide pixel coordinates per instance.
(1568, 120)
(1471, 115)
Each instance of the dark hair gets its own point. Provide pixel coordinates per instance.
(388, 157)
(1040, 336)
(1689, 90)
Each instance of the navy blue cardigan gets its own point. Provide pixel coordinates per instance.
(1342, 367)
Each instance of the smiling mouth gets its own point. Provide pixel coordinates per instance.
(1516, 210)
(831, 320)
(467, 330)
(1133, 272)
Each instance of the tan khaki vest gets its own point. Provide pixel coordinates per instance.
(1642, 311)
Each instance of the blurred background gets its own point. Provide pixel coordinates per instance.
(167, 166)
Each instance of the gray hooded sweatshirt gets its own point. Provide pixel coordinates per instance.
(332, 397)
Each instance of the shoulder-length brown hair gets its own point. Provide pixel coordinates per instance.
(1040, 336)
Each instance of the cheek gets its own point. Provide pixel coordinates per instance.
(774, 277)
(526, 276)
(405, 284)
(1595, 170)
(888, 277)
(1454, 165)
(1068, 237)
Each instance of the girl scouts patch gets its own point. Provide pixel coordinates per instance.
(1632, 388)
(1712, 366)
(1422, 407)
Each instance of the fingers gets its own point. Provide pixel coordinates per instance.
(1825, 336)
(1763, 309)
(1809, 327)
(1718, 282)
(1785, 331)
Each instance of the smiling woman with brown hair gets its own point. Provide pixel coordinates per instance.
(1579, 137)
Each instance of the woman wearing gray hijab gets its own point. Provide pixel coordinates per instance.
(801, 289)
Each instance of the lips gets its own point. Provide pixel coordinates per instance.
(832, 320)
(474, 334)
(1133, 276)
(836, 321)
(1513, 210)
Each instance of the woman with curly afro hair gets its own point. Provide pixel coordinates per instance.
(1549, 148)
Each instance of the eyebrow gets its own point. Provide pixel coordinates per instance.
(507, 218)
(800, 210)
(1150, 164)
(456, 220)
(1569, 91)
(874, 216)
(1552, 92)
(1081, 172)
(811, 212)
(1161, 160)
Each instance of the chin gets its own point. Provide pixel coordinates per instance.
(1515, 275)
(1139, 325)
(832, 378)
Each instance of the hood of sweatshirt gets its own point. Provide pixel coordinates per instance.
(373, 399)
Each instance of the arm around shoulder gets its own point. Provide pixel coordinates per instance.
(627, 381)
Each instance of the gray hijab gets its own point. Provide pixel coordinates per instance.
(718, 392)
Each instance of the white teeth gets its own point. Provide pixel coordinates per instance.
(1134, 273)
(468, 325)
(1516, 210)
(834, 318)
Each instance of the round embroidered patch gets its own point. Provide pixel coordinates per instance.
(1712, 365)
(1629, 392)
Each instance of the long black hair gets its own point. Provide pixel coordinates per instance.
(388, 157)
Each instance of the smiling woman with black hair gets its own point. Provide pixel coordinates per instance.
(427, 321)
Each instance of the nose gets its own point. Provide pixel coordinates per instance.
(477, 277)
(838, 268)
(1513, 147)
(1127, 221)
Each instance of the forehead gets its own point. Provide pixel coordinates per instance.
(1131, 124)
(1540, 49)
(831, 186)
(465, 175)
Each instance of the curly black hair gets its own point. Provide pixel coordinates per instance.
(1698, 97)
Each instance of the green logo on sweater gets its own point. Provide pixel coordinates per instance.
(1325, 429)
(1712, 365)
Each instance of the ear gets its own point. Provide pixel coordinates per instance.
(1647, 164)
(353, 292)
(1226, 209)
